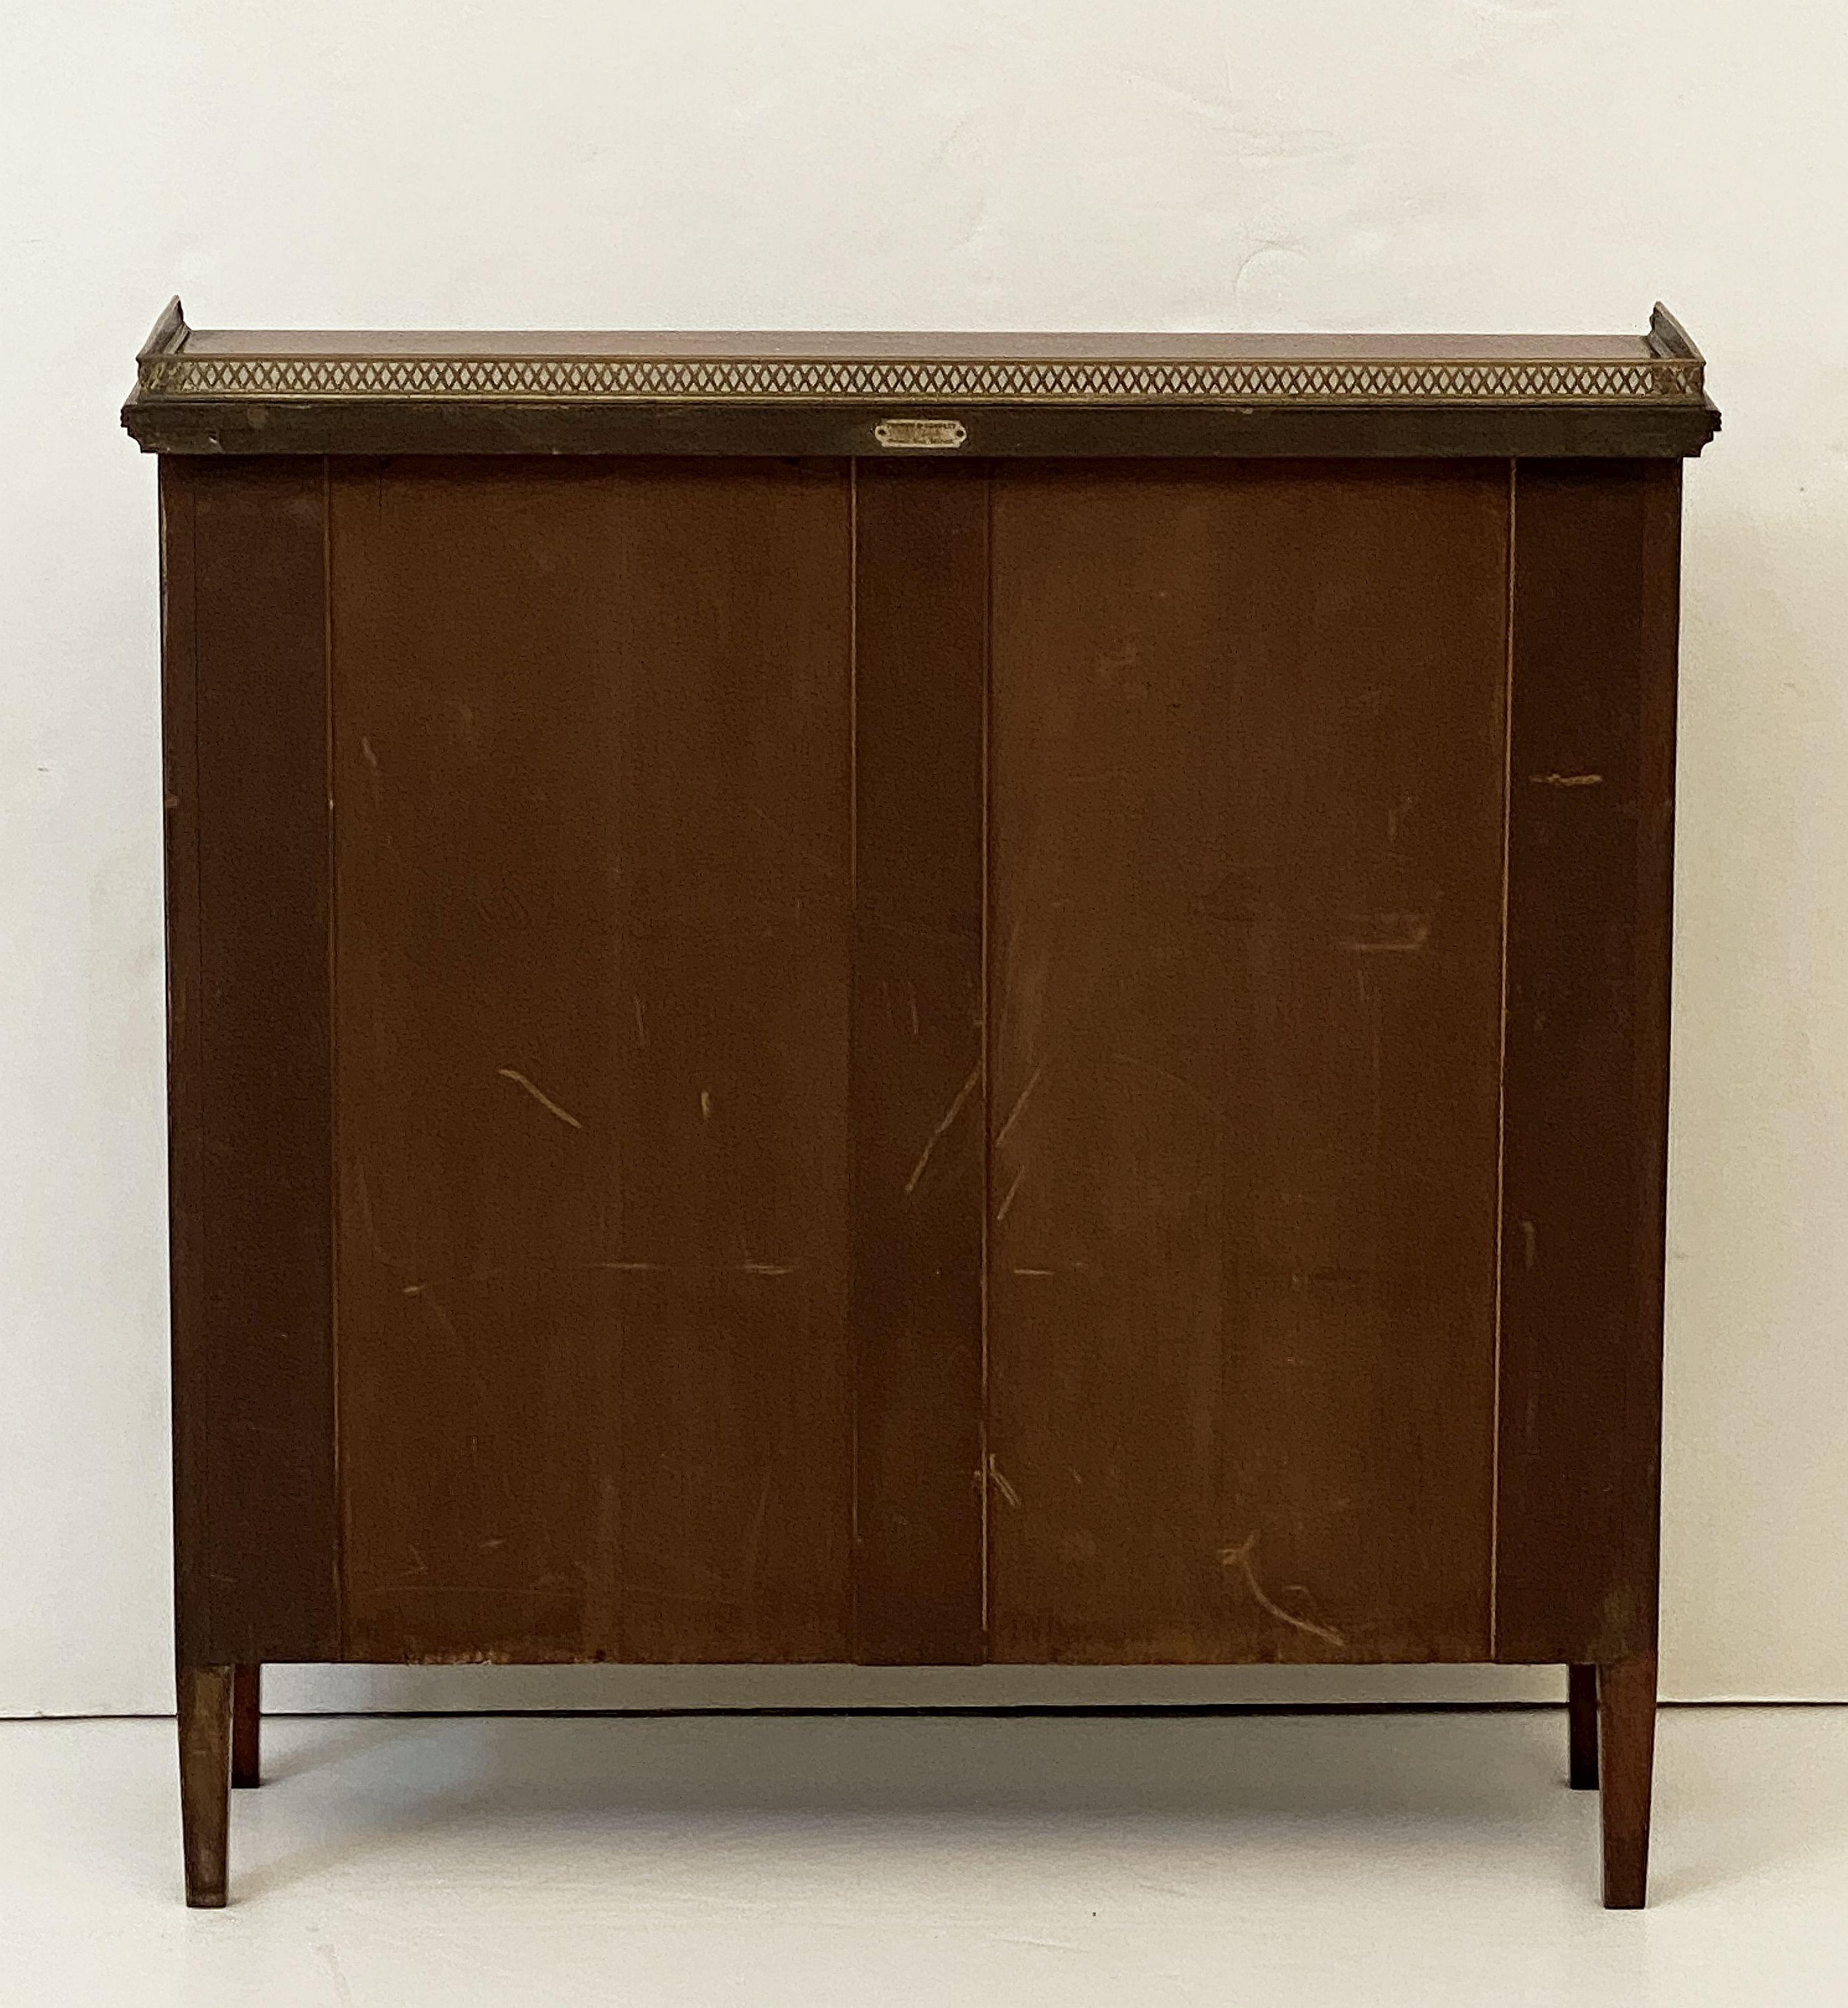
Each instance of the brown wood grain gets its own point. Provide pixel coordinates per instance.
(202, 1717)
(251, 1151)
(921, 599)
(1626, 1759)
(1246, 782)
(1590, 876)
(592, 750)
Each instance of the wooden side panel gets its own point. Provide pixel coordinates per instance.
(247, 867)
(1247, 761)
(1590, 892)
(185, 1086)
(591, 733)
(921, 601)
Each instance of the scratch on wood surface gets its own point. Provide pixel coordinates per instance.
(999, 1482)
(1240, 1558)
(942, 1130)
(1398, 933)
(767, 1268)
(1567, 780)
(362, 1195)
(1035, 1272)
(413, 1289)
(706, 1105)
(1020, 1102)
(703, 1599)
(1187, 1087)
(445, 1324)
(629, 1268)
(539, 1095)
(1007, 1197)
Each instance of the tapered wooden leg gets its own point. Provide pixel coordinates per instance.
(1581, 1710)
(246, 1726)
(1626, 1757)
(205, 1780)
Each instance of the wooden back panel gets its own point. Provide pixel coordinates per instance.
(591, 756)
(250, 1112)
(1246, 847)
(809, 1060)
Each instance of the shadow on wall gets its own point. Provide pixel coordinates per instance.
(1758, 1173)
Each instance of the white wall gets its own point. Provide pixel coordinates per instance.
(1159, 163)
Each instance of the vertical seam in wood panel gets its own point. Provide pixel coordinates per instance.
(853, 682)
(195, 1457)
(1501, 1084)
(856, 1338)
(1659, 657)
(988, 624)
(163, 508)
(613, 1508)
(339, 1528)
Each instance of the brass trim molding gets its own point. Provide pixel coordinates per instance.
(1655, 379)
(272, 391)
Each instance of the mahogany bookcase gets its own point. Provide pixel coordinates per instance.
(918, 999)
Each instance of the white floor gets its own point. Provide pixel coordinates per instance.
(1379, 1859)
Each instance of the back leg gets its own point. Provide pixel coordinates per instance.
(1581, 1707)
(246, 1726)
